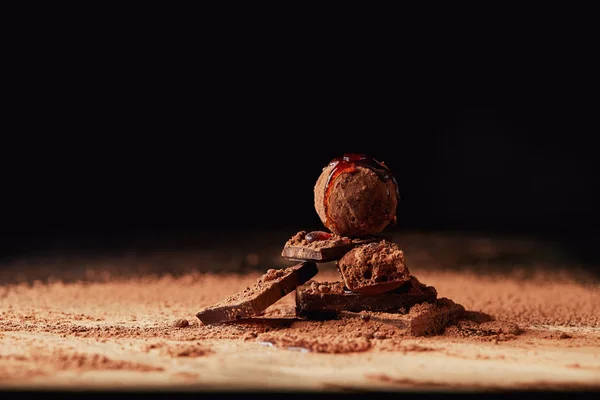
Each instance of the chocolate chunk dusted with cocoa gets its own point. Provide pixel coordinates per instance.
(424, 319)
(356, 195)
(269, 288)
(320, 246)
(374, 268)
(323, 300)
(433, 318)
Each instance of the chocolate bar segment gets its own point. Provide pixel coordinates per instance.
(326, 247)
(269, 288)
(323, 300)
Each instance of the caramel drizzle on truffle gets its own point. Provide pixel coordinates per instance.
(347, 164)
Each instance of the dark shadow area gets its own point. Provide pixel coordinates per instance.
(159, 157)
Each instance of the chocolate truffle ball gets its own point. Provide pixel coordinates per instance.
(356, 195)
(374, 268)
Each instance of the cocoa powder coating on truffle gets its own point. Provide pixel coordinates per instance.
(356, 200)
(374, 268)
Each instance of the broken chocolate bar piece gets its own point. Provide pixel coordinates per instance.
(324, 300)
(424, 319)
(374, 268)
(269, 288)
(320, 246)
(433, 318)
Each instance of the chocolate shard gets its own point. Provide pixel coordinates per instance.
(323, 300)
(327, 247)
(269, 288)
(424, 319)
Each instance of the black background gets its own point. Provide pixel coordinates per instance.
(111, 143)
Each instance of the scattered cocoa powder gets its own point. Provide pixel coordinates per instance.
(62, 358)
(489, 327)
(186, 350)
(81, 362)
(400, 345)
(10, 372)
(111, 306)
(403, 381)
(332, 344)
(333, 336)
(94, 310)
(543, 298)
(186, 375)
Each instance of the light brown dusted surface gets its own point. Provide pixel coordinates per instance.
(120, 333)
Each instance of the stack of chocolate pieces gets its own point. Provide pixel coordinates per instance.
(373, 272)
(356, 198)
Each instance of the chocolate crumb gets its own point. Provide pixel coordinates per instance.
(324, 289)
(565, 335)
(379, 335)
(181, 323)
(271, 275)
